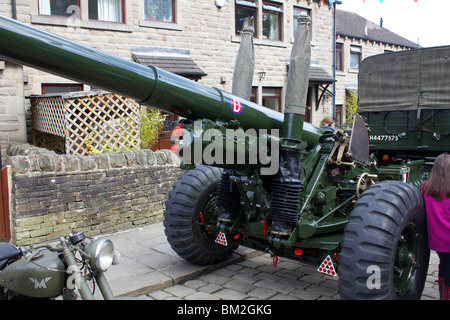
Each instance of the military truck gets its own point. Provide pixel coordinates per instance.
(404, 99)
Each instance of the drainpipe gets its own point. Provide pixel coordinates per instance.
(14, 9)
(334, 58)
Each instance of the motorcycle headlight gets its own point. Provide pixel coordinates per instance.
(101, 252)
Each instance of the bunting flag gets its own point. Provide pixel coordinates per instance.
(364, 1)
(331, 2)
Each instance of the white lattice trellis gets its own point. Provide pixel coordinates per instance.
(89, 122)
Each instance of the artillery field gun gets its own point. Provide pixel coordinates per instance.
(275, 183)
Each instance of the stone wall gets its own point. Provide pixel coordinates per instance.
(53, 194)
(12, 104)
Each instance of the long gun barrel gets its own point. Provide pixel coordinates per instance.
(150, 85)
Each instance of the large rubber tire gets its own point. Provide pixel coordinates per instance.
(193, 193)
(386, 237)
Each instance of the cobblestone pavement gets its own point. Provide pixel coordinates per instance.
(258, 279)
(150, 269)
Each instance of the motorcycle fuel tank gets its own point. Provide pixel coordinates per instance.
(41, 277)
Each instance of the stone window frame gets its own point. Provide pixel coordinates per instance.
(355, 51)
(301, 10)
(259, 93)
(272, 93)
(339, 56)
(80, 18)
(178, 18)
(275, 9)
(258, 38)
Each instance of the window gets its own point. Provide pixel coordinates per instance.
(339, 57)
(106, 10)
(56, 7)
(272, 18)
(355, 57)
(243, 10)
(159, 10)
(254, 95)
(297, 13)
(267, 18)
(271, 98)
(55, 88)
(88, 14)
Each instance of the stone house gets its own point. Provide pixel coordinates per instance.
(199, 40)
(356, 39)
(202, 34)
(50, 194)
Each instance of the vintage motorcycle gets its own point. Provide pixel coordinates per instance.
(50, 271)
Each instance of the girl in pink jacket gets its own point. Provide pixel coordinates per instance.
(436, 193)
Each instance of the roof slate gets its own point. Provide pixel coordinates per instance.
(177, 61)
(349, 24)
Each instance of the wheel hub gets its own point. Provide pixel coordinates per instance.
(405, 260)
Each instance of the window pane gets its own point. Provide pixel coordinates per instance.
(355, 49)
(56, 7)
(254, 94)
(272, 16)
(339, 57)
(55, 88)
(247, 3)
(271, 92)
(272, 103)
(297, 13)
(354, 60)
(271, 26)
(167, 122)
(355, 56)
(272, 7)
(271, 98)
(161, 10)
(240, 14)
(338, 114)
(105, 10)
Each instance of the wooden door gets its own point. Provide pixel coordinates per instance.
(164, 136)
(5, 232)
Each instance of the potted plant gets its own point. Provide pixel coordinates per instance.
(327, 120)
(151, 10)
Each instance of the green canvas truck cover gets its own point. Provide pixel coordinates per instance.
(405, 80)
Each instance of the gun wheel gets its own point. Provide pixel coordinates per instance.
(191, 215)
(385, 251)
